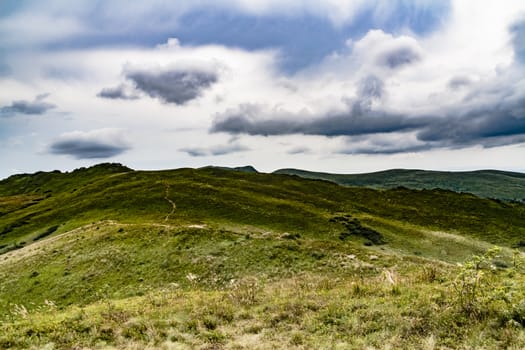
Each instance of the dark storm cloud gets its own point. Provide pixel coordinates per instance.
(498, 124)
(103, 143)
(398, 57)
(492, 125)
(82, 149)
(356, 121)
(391, 148)
(117, 93)
(36, 107)
(175, 86)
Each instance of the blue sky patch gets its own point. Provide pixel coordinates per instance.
(304, 39)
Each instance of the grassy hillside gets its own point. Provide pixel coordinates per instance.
(502, 185)
(212, 258)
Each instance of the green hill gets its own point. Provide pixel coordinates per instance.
(501, 185)
(213, 258)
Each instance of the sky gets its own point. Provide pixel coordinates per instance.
(346, 86)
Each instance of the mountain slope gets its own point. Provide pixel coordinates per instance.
(502, 185)
(273, 201)
(213, 258)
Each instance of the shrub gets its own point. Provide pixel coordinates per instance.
(472, 285)
(480, 288)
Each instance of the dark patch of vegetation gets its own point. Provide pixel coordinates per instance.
(519, 244)
(9, 228)
(354, 228)
(46, 233)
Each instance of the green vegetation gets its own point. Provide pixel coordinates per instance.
(502, 185)
(212, 258)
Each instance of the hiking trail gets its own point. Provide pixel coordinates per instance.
(173, 206)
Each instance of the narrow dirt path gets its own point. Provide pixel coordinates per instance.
(173, 206)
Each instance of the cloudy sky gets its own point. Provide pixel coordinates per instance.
(336, 85)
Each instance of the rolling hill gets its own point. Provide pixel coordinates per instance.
(503, 185)
(213, 258)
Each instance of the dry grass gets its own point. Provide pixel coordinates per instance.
(389, 310)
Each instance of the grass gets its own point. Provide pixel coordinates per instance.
(274, 201)
(308, 310)
(107, 257)
(133, 258)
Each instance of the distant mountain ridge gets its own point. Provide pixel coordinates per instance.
(242, 169)
(495, 184)
(502, 185)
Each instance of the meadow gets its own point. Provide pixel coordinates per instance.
(108, 257)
